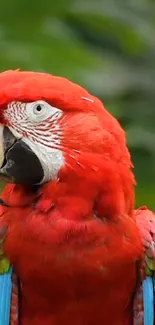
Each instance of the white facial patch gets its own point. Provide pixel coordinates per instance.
(51, 159)
(37, 124)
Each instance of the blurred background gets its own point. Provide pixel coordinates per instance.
(108, 46)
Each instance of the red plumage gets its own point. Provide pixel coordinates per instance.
(74, 243)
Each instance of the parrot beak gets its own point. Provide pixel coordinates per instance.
(4, 147)
(18, 163)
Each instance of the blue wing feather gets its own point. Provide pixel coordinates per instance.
(148, 299)
(5, 297)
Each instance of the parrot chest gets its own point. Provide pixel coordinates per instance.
(86, 273)
(80, 287)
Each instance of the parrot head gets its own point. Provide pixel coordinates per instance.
(52, 129)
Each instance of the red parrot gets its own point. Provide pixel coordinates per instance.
(67, 216)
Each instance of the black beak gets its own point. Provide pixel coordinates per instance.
(19, 164)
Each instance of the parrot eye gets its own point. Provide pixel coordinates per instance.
(39, 108)
(40, 111)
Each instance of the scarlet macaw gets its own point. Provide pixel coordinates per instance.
(67, 220)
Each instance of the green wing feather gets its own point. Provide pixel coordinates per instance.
(4, 262)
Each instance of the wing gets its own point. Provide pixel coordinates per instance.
(8, 281)
(144, 298)
(146, 224)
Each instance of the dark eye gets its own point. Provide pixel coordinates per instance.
(39, 108)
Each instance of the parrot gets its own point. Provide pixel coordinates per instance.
(68, 227)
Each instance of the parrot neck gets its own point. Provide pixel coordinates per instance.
(75, 199)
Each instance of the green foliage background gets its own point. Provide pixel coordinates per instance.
(108, 46)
